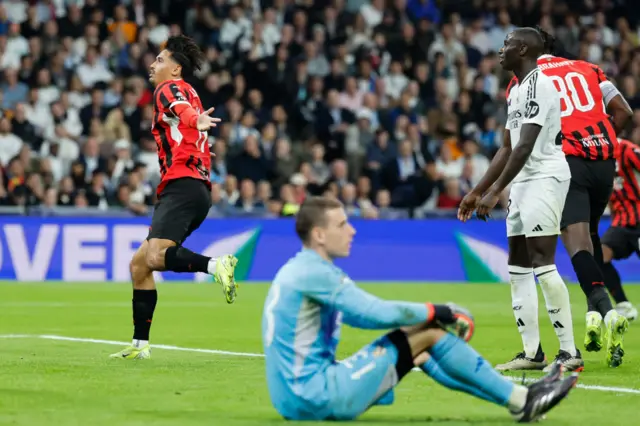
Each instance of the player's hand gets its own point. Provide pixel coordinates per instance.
(468, 206)
(456, 320)
(205, 121)
(464, 324)
(487, 204)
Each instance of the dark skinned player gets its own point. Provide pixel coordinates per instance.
(533, 160)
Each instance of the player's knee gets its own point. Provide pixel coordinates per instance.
(607, 254)
(138, 269)
(577, 238)
(154, 260)
(539, 260)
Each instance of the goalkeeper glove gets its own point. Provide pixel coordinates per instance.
(454, 319)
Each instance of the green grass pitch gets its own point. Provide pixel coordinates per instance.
(60, 382)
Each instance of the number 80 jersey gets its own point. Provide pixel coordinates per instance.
(586, 129)
(536, 101)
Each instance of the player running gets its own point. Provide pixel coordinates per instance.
(311, 297)
(622, 239)
(179, 127)
(532, 158)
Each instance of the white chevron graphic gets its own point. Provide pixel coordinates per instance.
(227, 245)
(494, 257)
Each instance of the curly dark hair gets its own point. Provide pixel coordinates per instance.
(186, 52)
(552, 46)
(549, 41)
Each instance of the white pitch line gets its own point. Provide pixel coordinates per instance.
(167, 347)
(256, 355)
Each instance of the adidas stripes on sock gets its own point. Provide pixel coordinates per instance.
(558, 304)
(524, 301)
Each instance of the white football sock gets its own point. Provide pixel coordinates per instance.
(608, 318)
(211, 267)
(518, 398)
(524, 301)
(556, 296)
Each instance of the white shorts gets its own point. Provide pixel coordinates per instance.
(535, 207)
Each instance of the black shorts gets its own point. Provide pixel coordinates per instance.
(623, 242)
(183, 206)
(589, 191)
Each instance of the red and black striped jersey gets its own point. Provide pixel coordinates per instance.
(586, 129)
(625, 199)
(183, 151)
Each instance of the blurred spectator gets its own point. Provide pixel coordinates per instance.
(478, 163)
(319, 168)
(406, 179)
(451, 196)
(251, 163)
(499, 32)
(13, 90)
(10, 144)
(247, 201)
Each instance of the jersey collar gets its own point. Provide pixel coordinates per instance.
(546, 56)
(536, 69)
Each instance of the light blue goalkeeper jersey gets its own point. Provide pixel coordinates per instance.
(308, 301)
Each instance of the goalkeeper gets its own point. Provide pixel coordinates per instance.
(309, 299)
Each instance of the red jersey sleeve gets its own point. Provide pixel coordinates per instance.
(170, 95)
(633, 156)
(599, 73)
(513, 82)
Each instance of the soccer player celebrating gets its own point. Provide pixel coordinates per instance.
(311, 297)
(622, 239)
(179, 127)
(532, 158)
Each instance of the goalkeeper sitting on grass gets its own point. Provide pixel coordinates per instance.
(309, 299)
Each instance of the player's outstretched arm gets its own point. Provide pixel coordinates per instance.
(190, 117)
(499, 162)
(361, 309)
(364, 310)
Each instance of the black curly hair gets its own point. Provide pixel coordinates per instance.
(549, 41)
(552, 46)
(186, 52)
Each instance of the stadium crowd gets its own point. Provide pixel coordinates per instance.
(395, 107)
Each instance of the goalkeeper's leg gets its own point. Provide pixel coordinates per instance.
(462, 368)
(431, 368)
(368, 377)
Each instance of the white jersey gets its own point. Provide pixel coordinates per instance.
(535, 100)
